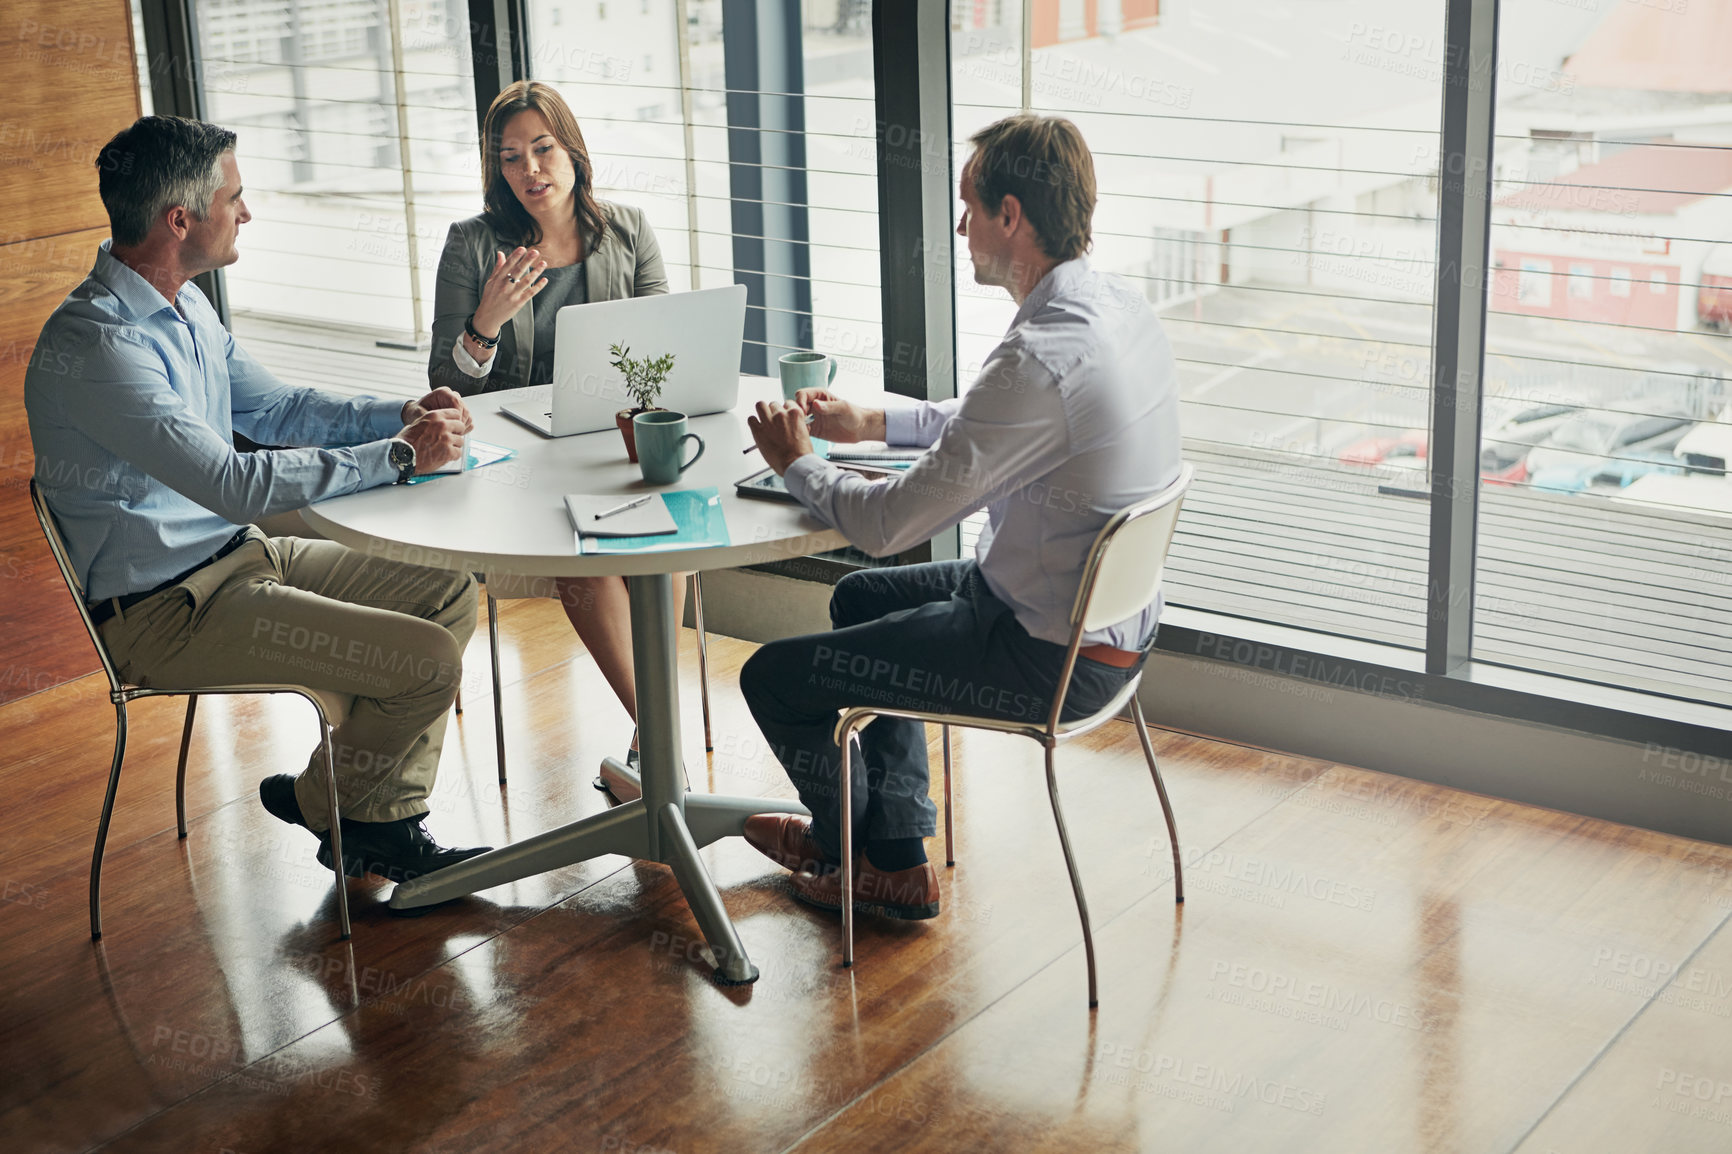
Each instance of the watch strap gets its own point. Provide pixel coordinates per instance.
(484, 342)
(402, 457)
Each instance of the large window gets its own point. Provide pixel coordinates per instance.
(756, 164)
(747, 139)
(1270, 175)
(357, 150)
(1602, 541)
(1266, 179)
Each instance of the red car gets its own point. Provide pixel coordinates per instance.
(1406, 451)
(1515, 429)
(1403, 451)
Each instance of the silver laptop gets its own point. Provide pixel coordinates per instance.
(701, 329)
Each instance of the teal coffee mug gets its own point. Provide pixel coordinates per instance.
(661, 438)
(805, 371)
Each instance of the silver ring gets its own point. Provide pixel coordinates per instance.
(510, 278)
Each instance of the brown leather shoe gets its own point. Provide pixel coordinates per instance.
(786, 839)
(910, 894)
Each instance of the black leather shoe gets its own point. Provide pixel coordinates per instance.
(277, 794)
(397, 851)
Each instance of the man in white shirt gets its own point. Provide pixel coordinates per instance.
(1073, 417)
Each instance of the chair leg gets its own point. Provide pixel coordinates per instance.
(703, 657)
(498, 690)
(1082, 905)
(180, 770)
(102, 826)
(848, 850)
(336, 832)
(1160, 788)
(949, 803)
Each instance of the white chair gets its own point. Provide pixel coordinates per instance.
(332, 709)
(502, 588)
(1121, 577)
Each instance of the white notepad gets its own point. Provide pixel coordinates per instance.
(650, 519)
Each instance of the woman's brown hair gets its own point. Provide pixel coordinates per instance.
(504, 212)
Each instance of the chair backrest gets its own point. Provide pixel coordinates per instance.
(1123, 573)
(74, 586)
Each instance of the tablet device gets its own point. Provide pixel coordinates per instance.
(767, 485)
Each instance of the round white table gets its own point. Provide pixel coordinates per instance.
(510, 519)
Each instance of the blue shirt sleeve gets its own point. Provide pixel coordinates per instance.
(124, 401)
(272, 413)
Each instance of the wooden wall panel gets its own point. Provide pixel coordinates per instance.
(70, 85)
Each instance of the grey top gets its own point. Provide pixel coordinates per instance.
(565, 286)
(625, 262)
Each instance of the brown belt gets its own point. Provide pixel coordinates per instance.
(1107, 655)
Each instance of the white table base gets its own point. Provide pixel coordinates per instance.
(666, 825)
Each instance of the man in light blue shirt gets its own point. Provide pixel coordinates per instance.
(133, 396)
(1073, 417)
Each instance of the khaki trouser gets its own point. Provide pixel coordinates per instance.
(317, 614)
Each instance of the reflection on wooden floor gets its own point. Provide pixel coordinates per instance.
(1364, 963)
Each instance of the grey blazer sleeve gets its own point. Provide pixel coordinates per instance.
(456, 293)
(650, 278)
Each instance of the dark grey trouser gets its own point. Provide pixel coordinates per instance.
(923, 637)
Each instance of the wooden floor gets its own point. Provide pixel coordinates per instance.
(1363, 964)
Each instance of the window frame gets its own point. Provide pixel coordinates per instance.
(177, 89)
(914, 217)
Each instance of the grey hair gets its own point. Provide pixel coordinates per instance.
(156, 164)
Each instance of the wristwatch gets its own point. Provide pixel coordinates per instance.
(402, 459)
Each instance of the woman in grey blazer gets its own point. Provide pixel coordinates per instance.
(543, 242)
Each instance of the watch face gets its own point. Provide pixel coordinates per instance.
(402, 455)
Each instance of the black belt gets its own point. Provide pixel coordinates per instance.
(101, 611)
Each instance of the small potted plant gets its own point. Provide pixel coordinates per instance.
(644, 377)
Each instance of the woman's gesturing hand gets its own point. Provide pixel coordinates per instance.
(516, 278)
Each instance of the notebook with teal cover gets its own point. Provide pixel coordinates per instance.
(696, 512)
